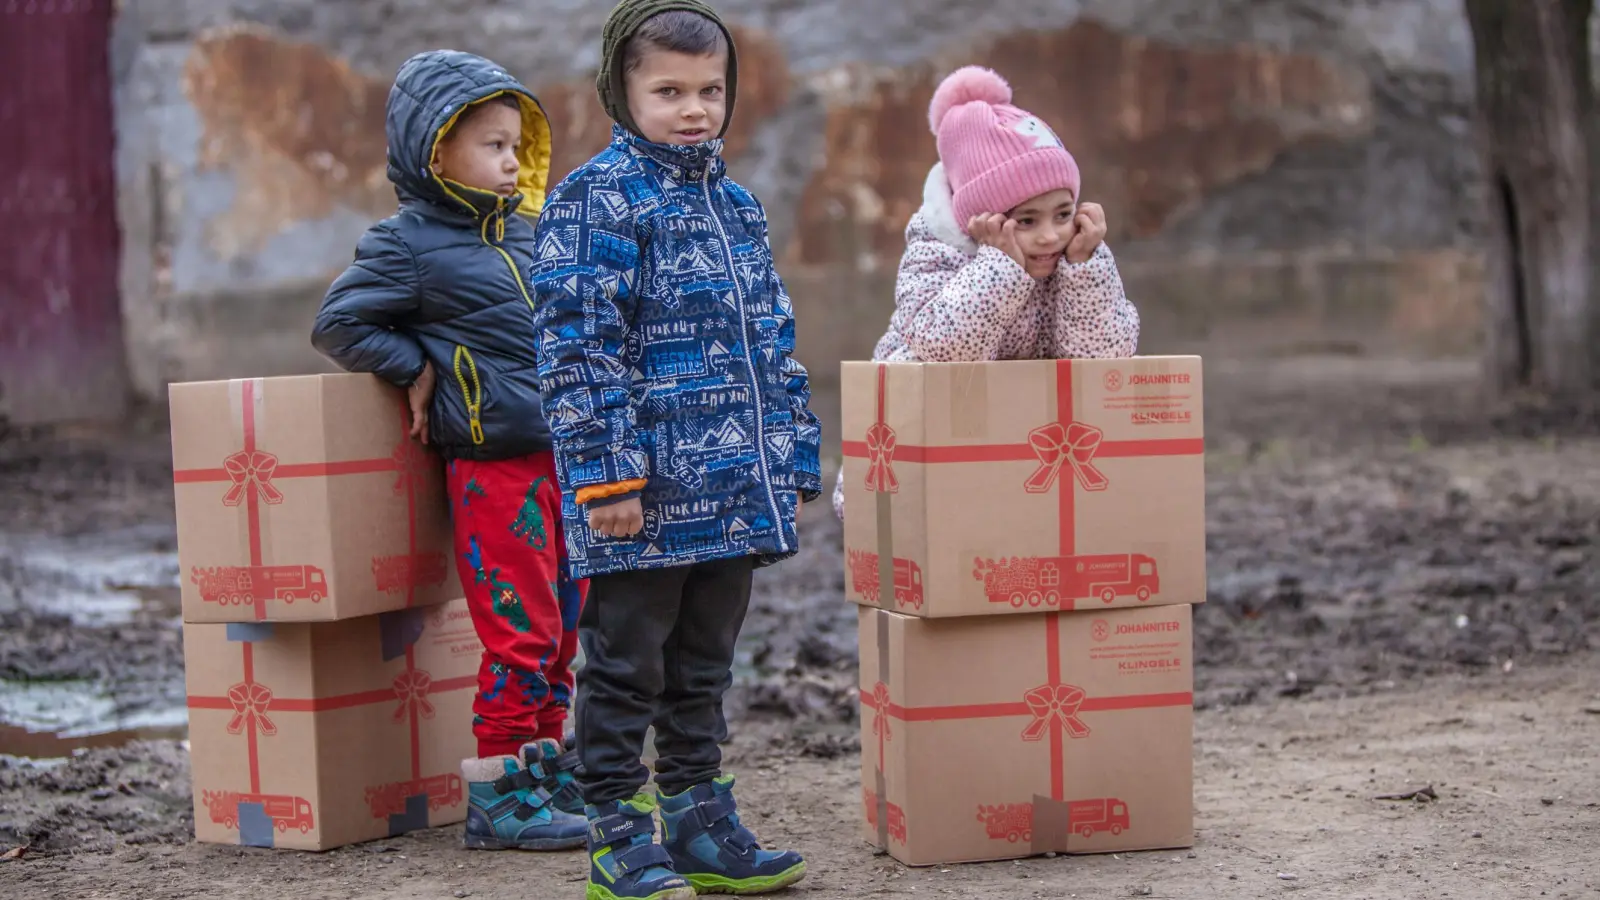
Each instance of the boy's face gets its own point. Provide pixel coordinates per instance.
(481, 152)
(1044, 228)
(676, 98)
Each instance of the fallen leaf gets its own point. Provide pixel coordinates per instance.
(14, 852)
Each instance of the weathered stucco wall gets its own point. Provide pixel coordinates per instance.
(1289, 171)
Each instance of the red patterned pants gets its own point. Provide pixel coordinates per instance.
(512, 559)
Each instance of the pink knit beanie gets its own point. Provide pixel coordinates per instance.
(995, 155)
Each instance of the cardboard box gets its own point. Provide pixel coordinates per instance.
(303, 499)
(998, 737)
(315, 735)
(1024, 486)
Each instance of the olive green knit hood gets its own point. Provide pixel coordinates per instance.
(622, 23)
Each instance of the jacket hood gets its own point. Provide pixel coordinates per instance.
(429, 94)
(624, 20)
(939, 212)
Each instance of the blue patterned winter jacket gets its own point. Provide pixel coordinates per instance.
(664, 360)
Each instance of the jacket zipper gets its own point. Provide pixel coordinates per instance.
(500, 235)
(467, 377)
(472, 394)
(756, 386)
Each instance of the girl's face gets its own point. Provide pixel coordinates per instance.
(678, 98)
(1044, 228)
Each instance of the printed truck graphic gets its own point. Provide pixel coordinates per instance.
(1010, 821)
(400, 572)
(387, 800)
(1089, 816)
(864, 578)
(284, 810)
(1013, 822)
(1064, 580)
(897, 816)
(235, 585)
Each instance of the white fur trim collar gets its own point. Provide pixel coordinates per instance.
(938, 210)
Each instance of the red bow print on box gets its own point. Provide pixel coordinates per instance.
(880, 447)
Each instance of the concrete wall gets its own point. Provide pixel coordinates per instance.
(1287, 172)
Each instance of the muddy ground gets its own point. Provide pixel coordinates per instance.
(1405, 588)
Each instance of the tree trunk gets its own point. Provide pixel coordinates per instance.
(1535, 98)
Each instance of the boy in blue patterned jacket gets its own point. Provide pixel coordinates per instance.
(684, 447)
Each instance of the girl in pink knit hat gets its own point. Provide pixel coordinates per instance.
(1003, 260)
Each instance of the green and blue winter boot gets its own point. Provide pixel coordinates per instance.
(625, 862)
(556, 766)
(708, 846)
(507, 809)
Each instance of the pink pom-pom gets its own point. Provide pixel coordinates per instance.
(967, 84)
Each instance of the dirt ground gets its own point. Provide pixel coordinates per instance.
(1404, 592)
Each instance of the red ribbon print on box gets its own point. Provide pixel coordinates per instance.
(1063, 444)
(412, 688)
(252, 475)
(1053, 710)
(880, 447)
(254, 704)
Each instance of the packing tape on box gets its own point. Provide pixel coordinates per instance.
(885, 550)
(1052, 825)
(880, 780)
(969, 401)
(251, 471)
(885, 514)
(885, 522)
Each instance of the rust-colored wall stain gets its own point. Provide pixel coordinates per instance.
(1154, 126)
(299, 129)
(303, 133)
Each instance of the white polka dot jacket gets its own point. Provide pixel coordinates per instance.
(957, 301)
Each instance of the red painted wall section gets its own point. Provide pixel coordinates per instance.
(61, 347)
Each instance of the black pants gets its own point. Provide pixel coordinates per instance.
(658, 649)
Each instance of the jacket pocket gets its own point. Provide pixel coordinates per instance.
(470, 383)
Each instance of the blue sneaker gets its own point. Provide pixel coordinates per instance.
(508, 810)
(625, 862)
(701, 831)
(556, 767)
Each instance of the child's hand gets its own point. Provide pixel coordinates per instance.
(1000, 232)
(618, 520)
(420, 395)
(1089, 229)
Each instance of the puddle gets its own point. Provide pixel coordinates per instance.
(87, 655)
(97, 580)
(43, 720)
(43, 747)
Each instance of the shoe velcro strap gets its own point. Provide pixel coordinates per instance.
(718, 808)
(566, 762)
(620, 827)
(742, 841)
(640, 857)
(537, 799)
(519, 780)
(500, 808)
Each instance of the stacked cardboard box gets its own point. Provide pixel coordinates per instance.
(330, 668)
(1025, 540)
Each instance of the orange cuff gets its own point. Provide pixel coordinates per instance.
(596, 491)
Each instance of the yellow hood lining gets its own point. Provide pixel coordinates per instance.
(533, 173)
